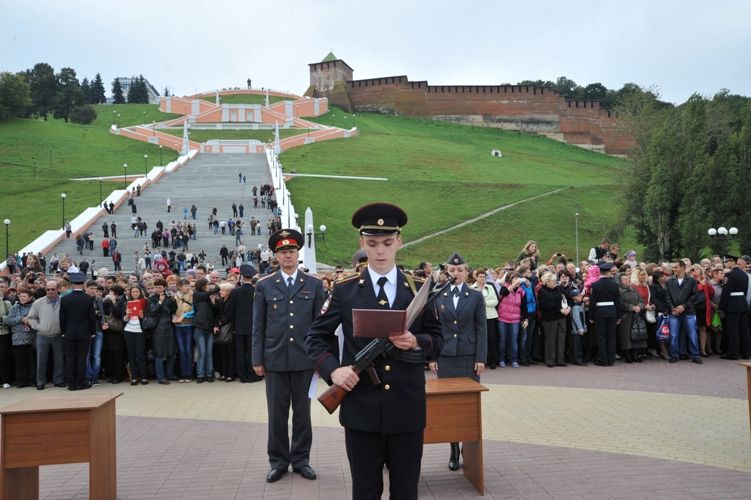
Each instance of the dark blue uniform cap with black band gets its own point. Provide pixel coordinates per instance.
(378, 219)
(455, 259)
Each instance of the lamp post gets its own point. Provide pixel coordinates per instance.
(577, 238)
(145, 158)
(322, 228)
(289, 208)
(153, 128)
(50, 158)
(7, 225)
(354, 122)
(62, 197)
(34, 161)
(118, 119)
(722, 233)
(309, 233)
(114, 117)
(125, 179)
(144, 117)
(160, 154)
(100, 191)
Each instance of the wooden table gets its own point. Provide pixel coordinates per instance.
(60, 429)
(454, 414)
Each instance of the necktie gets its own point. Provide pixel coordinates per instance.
(456, 291)
(383, 300)
(289, 282)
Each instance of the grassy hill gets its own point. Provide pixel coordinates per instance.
(33, 204)
(443, 174)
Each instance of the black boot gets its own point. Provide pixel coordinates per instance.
(454, 458)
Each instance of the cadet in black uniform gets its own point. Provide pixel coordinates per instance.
(383, 424)
(78, 326)
(604, 304)
(733, 303)
(461, 311)
(284, 306)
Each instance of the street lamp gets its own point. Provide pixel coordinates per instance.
(7, 225)
(160, 154)
(114, 117)
(118, 119)
(354, 123)
(50, 158)
(309, 232)
(322, 228)
(62, 197)
(34, 161)
(144, 117)
(100, 191)
(577, 238)
(722, 233)
(145, 157)
(153, 128)
(125, 179)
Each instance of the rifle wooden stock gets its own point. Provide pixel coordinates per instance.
(332, 398)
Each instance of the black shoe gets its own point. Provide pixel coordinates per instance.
(454, 457)
(698, 361)
(307, 472)
(164, 382)
(493, 367)
(244, 381)
(601, 363)
(684, 357)
(229, 379)
(144, 382)
(61, 385)
(83, 387)
(40, 388)
(525, 363)
(199, 380)
(71, 388)
(550, 366)
(275, 475)
(210, 380)
(673, 360)
(134, 382)
(561, 364)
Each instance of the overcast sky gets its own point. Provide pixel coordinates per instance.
(678, 47)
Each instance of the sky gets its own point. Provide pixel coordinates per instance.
(674, 47)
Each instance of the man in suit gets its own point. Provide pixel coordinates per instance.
(241, 310)
(681, 291)
(384, 423)
(733, 303)
(285, 304)
(78, 327)
(464, 328)
(604, 307)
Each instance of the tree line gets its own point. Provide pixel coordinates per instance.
(569, 89)
(40, 91)
(689, 172)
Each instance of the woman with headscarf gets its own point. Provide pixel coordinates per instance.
(631, 307)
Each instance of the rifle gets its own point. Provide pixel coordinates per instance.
(334, 395)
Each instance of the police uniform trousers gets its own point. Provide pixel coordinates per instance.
(283, 389)
(75, 351)
(606, 329)
(737, 335)
(402, 454)
(242, 345)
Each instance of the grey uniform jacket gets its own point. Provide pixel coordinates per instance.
(281, 317)
(464, 329)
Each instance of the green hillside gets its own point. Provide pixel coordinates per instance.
(33, 204)
(443, 174)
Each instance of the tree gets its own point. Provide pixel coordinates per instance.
(595, 92)
(82, 114)
(138, 93)
(117, 92)
(43, 86)
(97, 91)
(565, 87)
(15, 96)
(166, 91)
(86, 90)
(537, 83)
(69, 93)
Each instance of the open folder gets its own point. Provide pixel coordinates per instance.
(378, 323)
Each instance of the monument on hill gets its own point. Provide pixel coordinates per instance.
(525, 108)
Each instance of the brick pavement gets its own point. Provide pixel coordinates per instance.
(632, 431)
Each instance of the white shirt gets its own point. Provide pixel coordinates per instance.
(389, 287)
(456, 297)
(285, 277)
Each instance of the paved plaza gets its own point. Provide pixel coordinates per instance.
(651, 430)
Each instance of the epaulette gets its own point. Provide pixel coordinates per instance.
(265, 277)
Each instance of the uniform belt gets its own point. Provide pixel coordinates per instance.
(411, 357)
(606, 303)
(737, 294)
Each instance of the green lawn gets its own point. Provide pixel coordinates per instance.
(263, 135)
(244, 99)
(443, 174)
(33, 204)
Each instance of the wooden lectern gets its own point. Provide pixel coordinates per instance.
(60, 429)
(454, 414)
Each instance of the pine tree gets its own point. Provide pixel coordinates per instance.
(86, 90)
(69, 93)
(166, 91)
(117, 92)
(97, 90)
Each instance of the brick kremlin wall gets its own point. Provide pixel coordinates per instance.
(511, 107)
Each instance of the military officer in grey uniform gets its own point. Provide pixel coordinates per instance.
(464, 327)
(285, 304)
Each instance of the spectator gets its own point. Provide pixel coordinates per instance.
(681, 295)
(553, 310)
(512, 316)
(531, 253)
(23, 339)
(600, 252)
(491, 298)
(44, 318)
(135, 339)
(632, 306)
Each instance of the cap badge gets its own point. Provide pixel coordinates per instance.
(284, 233)
(285, 242)
(380, 222)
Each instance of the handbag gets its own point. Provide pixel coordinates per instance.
(149, 323)
(716, 321)
(638, 328)
(115, 323)
(650, 316)
(226, 334)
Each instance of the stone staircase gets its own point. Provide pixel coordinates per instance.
(207, 181)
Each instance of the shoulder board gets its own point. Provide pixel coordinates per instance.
(346, 278)
(265, 277)
(310, 275)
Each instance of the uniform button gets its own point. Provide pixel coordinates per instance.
(291, 314)
(291, 339)
(291, 326)
(455, 335)
(387, 368)
(387, 387)
(291, 301)
(455, 322)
